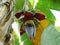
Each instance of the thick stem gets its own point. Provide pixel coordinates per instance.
(6, 19)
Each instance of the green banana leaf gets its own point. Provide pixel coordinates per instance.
(58, 28)
(24, 37)
(18, 5)
(50, 36)
(31, 2)
(51, 4)
(16, 38)
(26, 40)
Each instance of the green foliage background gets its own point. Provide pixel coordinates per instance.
(43, 5)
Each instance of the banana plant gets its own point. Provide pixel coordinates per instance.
(21, 7)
